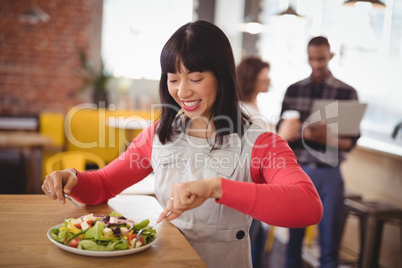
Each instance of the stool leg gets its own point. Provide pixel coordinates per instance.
(363, 222)
(310, 234)
(270, 239)
(400, 244)
(342, 228)
(372, 241)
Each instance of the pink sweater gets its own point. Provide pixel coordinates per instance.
(281, 195)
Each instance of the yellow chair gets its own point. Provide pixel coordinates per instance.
(52, 125)
(72, 159)
(87, 130)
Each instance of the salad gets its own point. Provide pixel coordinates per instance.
(102, 232)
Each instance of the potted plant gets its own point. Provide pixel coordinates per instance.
(94, 78)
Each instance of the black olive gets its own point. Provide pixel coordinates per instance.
(106, 218)
(116, 230)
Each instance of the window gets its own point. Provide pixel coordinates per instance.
(368, 55)
(134, 32)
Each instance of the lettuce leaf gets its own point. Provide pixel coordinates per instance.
(95, 232)
(112, 245)
(61, 236)
(115, 214)
(141, 225)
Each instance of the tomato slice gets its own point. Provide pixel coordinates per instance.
(134, 236)
(74, 243)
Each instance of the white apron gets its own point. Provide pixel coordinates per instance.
(218, 234)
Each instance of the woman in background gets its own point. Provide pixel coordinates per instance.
(253, 75)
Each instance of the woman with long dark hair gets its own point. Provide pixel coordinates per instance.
(214, 169)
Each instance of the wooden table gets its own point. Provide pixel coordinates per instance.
(25, 220)
(30, 143)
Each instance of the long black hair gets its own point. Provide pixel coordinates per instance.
(201, 46)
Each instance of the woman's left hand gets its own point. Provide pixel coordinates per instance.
(189, 195)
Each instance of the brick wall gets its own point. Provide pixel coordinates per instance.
(39, 62)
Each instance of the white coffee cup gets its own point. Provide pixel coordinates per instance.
(290, 114)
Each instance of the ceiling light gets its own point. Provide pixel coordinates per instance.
(251, 23)
(374, 3)
(289, 12)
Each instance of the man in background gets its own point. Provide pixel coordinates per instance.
(331, 148)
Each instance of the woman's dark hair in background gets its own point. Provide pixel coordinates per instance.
(201, 46)
(247, 72)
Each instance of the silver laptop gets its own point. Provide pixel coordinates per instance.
(342, 116)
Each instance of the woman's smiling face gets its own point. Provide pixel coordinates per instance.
(195, 92)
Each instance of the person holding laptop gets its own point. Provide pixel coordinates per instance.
(318, 150)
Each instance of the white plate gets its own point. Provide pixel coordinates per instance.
(98, 253)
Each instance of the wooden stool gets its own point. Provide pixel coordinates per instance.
(350, 196)
(372, 216)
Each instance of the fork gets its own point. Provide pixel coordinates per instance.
(139, 234)
(73, 201)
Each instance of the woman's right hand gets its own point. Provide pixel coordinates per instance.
(189, 195)
(58, 182)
